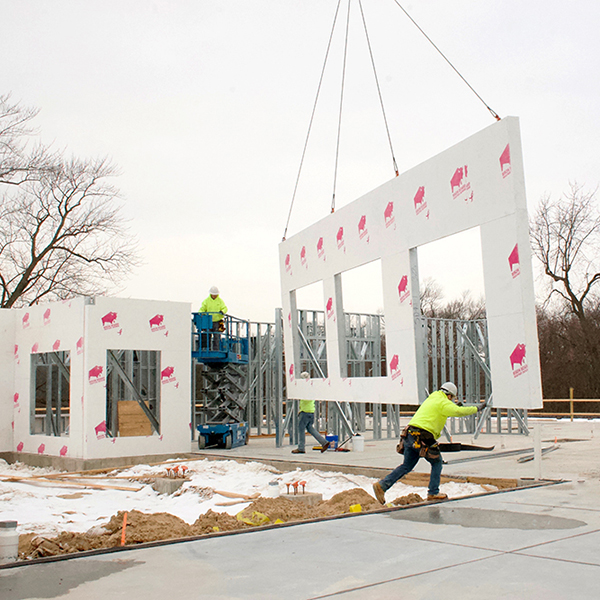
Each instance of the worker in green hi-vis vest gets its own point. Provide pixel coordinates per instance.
(306, 420)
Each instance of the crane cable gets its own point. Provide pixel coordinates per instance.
(493, 113)
(337, 146)
(312, 116)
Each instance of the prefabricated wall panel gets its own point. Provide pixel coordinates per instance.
(87, 329)
(476, 183)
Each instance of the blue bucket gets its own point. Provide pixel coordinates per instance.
(333, 441)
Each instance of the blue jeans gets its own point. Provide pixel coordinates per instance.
(305, 423)
(411, 458)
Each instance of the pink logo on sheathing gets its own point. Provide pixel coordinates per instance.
(35, 348)
(290, 319)
(109, 320)
(329, 309)
(16, 401)
(41, 448)
(63, 451)
(513, 261)
(288, 264)
(460, 184)
(20, 447)
(79, 345)
(518, 361)
(16, 354)
(25, 320)
(47, 316)
(167, 375)
(420, 203)
(505, 162)
(320, 249)
(291, 372)
(403, 291)
(395, 371)
(56, 346)
(157, 323)
(95, 374)
(388, 215)
(339, 238)
(303, 260)
(362, 228)
(100, 430)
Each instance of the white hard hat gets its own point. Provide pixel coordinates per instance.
(449, 388)
(214, 289)
(305, 375)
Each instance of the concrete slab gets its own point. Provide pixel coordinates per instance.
(539, 543)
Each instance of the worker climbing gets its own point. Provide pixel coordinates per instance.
(419, 439)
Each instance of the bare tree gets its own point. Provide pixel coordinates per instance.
(61, 229)
(18, 163)
(464, 308)
(565, 234)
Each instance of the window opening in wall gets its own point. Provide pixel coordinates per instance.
(311, 351)
(132, 393)
(50, 384)
(364, 321)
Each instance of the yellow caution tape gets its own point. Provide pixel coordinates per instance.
(355, 508)
(256, 518)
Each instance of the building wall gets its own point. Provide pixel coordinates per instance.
(8, 356)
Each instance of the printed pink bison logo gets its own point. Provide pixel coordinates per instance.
(419, 197)
(47, 316)
(95, 372)
(16, 354)
(303, 256)
(513, 261)
(518, 361)
(20, 447)
(288, 264)
(56, 346)
(100, 430)
(63, 451)
(35, 348)
(329, 309)
(16, 398)
(79, 345)
(25, 320)
(156, 321)
(340, 236)
(109, 320)
(362, 224)
(458, 185)
(41, 448)
(395, 369)
(403, 291)
(457, 178)
(329, 304)
(167, 373)
(320, 249)
(388, 214)
(505, 161)
(291, 371)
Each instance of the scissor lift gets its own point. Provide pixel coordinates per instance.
(220, 348)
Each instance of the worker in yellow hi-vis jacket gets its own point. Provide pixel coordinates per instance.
(306, 420)
(419, 439)
(215, 306)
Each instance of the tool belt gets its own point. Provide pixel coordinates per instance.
(424, 442)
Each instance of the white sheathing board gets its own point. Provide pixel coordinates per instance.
(87, 331)
(122, 324)
(8, 357)
(49, 327)
(476, 183)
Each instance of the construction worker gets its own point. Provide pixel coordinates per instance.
(214, 305)
(306, 420)
(419, 439)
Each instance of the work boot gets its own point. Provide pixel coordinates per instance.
(297, 451)
(438, 496)
(325, 446)
(379, 493)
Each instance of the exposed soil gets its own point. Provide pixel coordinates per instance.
(142, 527)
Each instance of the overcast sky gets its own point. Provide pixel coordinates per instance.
(204, 106)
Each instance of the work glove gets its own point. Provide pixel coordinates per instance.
(481, 406)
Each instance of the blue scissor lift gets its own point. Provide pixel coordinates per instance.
(221, 347)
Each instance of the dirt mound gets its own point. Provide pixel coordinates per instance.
(142, 527)
(409, 499)
(341, 503)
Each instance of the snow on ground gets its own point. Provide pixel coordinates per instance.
(48, 508)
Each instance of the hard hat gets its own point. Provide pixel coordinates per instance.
(214, 290)
(305, 375)
(449, 388)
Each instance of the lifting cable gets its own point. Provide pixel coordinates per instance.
(493, 113)
(337, 146)
(312, 116)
